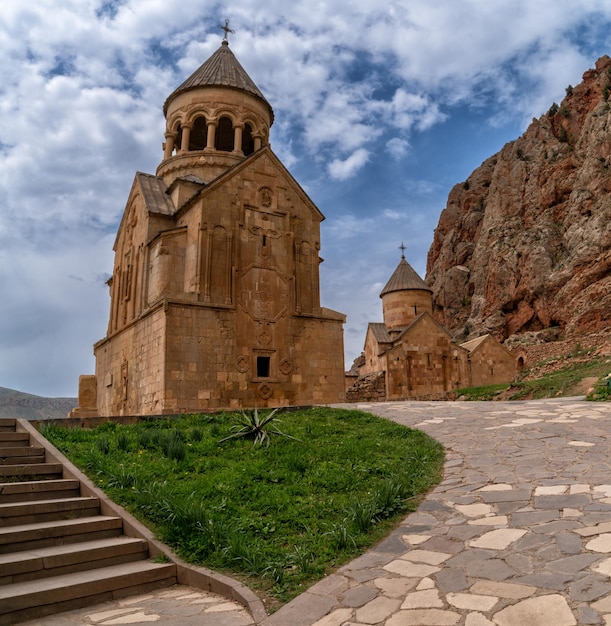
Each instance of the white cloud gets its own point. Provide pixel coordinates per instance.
(397, 147)
(393, 215)
(341, 170)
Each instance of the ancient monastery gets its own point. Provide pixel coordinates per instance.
(412, 356)
(215, 297)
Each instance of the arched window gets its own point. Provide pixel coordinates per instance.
(199, 134)
(224, 135)
(248, 142)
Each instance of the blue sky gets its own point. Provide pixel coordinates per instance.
(379, 111)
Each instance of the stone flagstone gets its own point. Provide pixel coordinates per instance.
(337, 618)
(377, 610)
(409, 569)
(422, 600)
(423, 617)
(471, 601)
(551, 610)
(426, 556)
(503, 590)
(602, 543)
(498, 539)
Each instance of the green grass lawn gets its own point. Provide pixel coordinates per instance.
(562, 382)
(278, 517)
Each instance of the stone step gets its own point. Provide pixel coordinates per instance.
(36, 471)
(21, 454)
(39, 490)
(38, 598)
(13, 513)
(59, 532)
(8, 424)
(10, 439)
(16, 567)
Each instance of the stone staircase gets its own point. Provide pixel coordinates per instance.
(58, 549)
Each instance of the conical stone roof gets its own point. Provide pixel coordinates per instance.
(404, 278)
(221, 69)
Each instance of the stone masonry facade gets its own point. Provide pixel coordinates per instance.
(215, 287)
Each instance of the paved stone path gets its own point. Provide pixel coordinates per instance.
(173, 606)
(518, 533)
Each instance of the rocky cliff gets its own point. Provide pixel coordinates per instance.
(525, 242)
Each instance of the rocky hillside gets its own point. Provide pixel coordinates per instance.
(525, 242)
(17, 404)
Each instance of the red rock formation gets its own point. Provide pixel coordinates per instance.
(525, 242)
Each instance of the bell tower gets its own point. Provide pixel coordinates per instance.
(404, 297)
(216, 118)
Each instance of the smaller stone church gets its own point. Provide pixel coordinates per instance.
(412, 356)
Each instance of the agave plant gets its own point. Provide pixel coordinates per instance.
(251, 424)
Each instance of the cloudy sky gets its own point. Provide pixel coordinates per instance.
(380, 108)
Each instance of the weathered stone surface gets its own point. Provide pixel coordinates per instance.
(602, 543)
(395, 587)
(302, 611)
(603, 605)
(472, 601)
(540, 611)
(576, 501)
(516, 495)
(589, 588)
(546, 580)
(572, 564)
(426, 556)
(496, 275)
(377, 610)
(498, 539)
(441, 544)
(358, 596)
(493, 569)
(586, 615)
(409, 569)
(502, 590)
(428, 598)
(451, 579)
(569, 543)
(336, 618)
(424, 617)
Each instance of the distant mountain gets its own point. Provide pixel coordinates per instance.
(524, 243)
(17, 404)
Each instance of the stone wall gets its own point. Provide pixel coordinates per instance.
(491, 364)
(369, 388)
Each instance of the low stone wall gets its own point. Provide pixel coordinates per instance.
(369, 388)
(372, 388)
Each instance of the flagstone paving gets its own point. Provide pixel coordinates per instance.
(517, 533)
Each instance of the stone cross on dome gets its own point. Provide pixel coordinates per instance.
(227, 30)
(402, 248)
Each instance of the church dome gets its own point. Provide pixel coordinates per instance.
(214, 119)
(405, 297)
(404, 278)
(222, 69)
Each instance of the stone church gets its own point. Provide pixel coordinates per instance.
(215, 297)
(412, 356)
